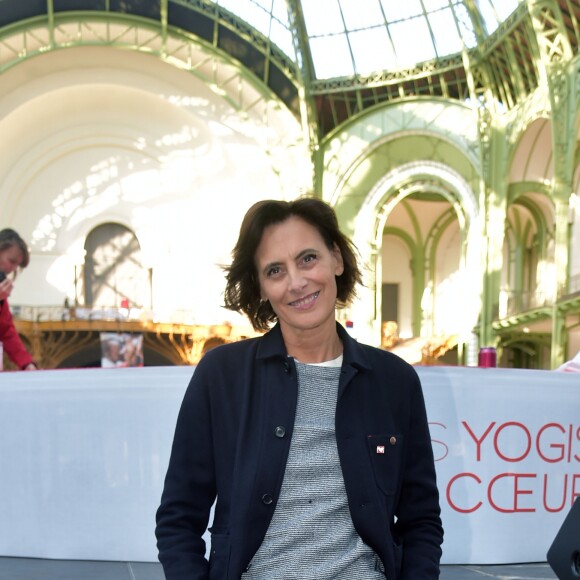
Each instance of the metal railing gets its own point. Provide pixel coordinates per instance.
(113, 313)
(512, 302)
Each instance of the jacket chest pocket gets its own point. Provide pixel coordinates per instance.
(386, 455)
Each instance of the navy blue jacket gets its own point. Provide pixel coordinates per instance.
(232, 439)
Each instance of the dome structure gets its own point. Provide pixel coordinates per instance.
(349, 55)
(345, 39)
(336, 58)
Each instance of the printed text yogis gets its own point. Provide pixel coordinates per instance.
(515, 444)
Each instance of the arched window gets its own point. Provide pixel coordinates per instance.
(114, 275)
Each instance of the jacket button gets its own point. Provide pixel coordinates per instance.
(286, 367)
(280, 431)
(267, 499)
(392, 440)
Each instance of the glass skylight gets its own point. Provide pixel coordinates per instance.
(359, 37)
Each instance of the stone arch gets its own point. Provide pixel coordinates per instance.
(372, 217)
(114, 275)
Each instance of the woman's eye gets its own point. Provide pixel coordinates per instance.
(273, 271)
(309, 258)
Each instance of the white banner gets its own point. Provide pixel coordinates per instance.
(507, 450)
(83, 454)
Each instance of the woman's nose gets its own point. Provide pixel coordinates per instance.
(296, 280)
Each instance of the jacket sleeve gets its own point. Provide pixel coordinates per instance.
(189, 489)
(418, 527)
(10, 339)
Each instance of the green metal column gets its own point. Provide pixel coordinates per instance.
(308, 112)
(418, 274)
(561, 251)
(493, 200)
(555, 52)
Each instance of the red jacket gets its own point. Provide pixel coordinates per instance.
(10, 339)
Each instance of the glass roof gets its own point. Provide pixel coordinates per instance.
(359, 37)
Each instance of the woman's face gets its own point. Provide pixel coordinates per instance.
(297, 274)
(10, 259)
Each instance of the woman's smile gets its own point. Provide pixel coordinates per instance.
(306, 302)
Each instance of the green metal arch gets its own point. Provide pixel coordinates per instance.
(404, 236)
(537, 214)
(516, 190)
(39, 35)
(416, 246)
(414, 220)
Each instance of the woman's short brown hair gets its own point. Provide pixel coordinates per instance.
(9, 238)
(242, 293)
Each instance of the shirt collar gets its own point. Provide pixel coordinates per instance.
(271, 345)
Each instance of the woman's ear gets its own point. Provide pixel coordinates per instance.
(339, 261)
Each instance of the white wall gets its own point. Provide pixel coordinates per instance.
(95, 135)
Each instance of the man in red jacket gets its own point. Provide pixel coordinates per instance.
(14, 256)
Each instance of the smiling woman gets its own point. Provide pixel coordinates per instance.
(244, 292)
(316, 447)
(297, 274)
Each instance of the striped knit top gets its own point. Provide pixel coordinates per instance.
(311, 535)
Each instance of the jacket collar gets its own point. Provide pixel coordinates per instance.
(272, 345)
